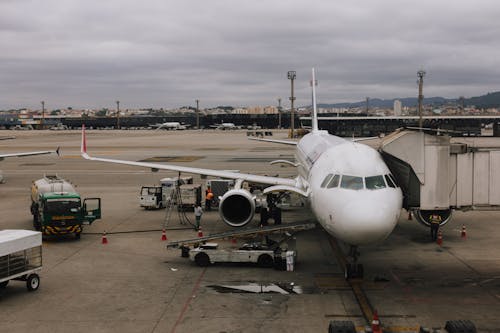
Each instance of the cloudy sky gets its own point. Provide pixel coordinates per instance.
(88, 54)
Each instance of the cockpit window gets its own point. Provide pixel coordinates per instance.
(352, 182)
(375, 182)
(389, 181)
(326, 180)
(334, 182)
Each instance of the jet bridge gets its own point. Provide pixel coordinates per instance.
(437, 175)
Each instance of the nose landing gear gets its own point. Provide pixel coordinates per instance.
(353, 270)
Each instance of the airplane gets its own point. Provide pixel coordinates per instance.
(171, 125)
(350, 189)
(225, 126)
(30, 153)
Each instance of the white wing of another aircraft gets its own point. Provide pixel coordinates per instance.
(30, 153)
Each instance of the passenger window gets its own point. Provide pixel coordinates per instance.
(334, 182)
(352, 182)
(389, 181)
(326, 180)
(375, 182)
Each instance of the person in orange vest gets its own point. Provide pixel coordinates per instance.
(435, 220)
(209, 196)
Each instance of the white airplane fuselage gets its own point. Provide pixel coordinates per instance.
(360, 206)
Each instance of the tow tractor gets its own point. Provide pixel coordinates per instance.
(265, 253)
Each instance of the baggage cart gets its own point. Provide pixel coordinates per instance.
(20, 257)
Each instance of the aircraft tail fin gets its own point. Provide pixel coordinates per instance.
(314, 118)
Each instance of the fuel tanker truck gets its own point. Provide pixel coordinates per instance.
(57, 207)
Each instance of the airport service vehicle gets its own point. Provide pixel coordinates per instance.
(189, 195)
(169, 185)
(256, 252)
(58, 209)
(151, 197)
(219, 187)
(20, 257)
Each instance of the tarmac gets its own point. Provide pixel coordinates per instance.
(134, 284)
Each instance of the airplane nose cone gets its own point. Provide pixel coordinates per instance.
(367, 222)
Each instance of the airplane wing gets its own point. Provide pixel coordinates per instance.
(30, 153)
(297, 184)
(285, 142)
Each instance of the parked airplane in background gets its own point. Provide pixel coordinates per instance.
(30, 153)
(349, 187)
(172, 125)
(225, 126)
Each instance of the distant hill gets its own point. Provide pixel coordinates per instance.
(485, 101)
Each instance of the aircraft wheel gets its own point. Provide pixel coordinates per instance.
(202, 259)
(353, 271)
(341, 326)
(33, 282)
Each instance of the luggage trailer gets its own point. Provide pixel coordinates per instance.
(20, 257)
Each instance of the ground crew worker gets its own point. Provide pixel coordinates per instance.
(198, 211)
(435, 220)
(208, 199)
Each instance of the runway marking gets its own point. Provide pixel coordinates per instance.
(190, 298)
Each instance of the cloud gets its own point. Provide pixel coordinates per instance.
(167, 54)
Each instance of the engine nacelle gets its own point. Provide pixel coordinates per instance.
(237, 207)
(423, 216)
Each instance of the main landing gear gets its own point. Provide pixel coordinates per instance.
(353, 270)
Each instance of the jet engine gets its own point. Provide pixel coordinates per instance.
(423, 216)
(237, 207)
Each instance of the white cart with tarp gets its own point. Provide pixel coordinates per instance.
(20, 257)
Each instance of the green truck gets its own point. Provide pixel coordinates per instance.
(58, 209)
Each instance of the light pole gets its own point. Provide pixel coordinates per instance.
(197, 114)
(42, 123)
(117, 114)
(420, 74)
(291, 76)
(279, 112)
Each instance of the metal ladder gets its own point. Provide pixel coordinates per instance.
(173, 204)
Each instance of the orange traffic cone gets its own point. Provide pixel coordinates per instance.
(440, 238)
(163, 235)
(464, 233)
(200, 232)
(376, 323)
(409, 216)
(104, 239)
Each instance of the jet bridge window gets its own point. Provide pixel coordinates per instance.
(390, 181)
(375, 182)
(352, 182)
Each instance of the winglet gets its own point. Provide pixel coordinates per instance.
(315, 111)
(84, 143)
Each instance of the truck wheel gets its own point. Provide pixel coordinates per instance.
(460, 326)
(77, 235)
(4, 284)
(202, 259)
(265, 260)
(33, 282)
